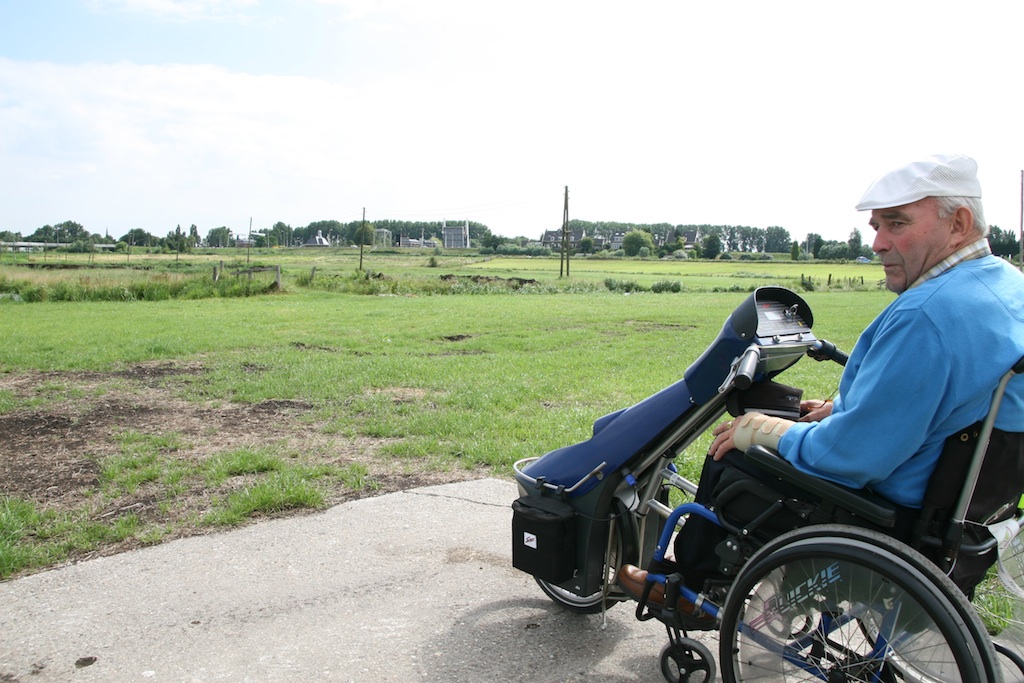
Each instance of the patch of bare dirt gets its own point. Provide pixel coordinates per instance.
(52, 453)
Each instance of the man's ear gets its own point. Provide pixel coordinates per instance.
(962, 226)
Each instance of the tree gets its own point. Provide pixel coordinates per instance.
(219, 237)
(493, 241)
(635, 240)
(777, 240)
(855, 243)
(835, 251)
(586, 245)
(332, 230)
(137, 237)
(758, 240)
(70, 231)
(814, 244)
(1003, 242)
(794, 251)
(280, 234)
(712, 246)
(176, 241)
(363, 233)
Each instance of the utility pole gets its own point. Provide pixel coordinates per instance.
(248, 242)
(565, 237)
(362, 238)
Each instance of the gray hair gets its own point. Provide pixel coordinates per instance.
(948, 205)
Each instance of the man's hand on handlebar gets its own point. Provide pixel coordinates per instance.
(815, 410)
(746, 430)
(723, 442)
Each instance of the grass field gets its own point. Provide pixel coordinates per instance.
(426, 265)
(163, 418)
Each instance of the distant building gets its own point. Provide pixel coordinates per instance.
(411, 242)
(689, 238)
(318, 241)
(553, 239)
(455, 236)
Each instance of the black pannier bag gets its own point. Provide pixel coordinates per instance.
(543, 538)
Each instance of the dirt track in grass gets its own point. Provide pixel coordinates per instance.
(53, 450)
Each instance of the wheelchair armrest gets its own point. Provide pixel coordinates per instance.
(865, 505)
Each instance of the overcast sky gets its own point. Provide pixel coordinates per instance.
(156, 113)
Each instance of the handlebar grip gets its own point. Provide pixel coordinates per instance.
(746, 368)
(826, 350)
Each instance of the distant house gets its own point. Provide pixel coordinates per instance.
(690, 238)
(317, 241)
(553, 239)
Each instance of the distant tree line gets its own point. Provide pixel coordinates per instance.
(73, 236)
(713, 241)
(739, 238)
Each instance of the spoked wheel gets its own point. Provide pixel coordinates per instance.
(842, 604)
(623, 541)
(687, 661)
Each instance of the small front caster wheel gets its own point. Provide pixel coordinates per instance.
(687, 661)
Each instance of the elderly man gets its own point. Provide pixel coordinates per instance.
(923, 370)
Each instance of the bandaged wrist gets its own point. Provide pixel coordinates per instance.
(755, 428)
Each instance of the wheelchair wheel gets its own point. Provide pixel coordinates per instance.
(687, 661)
(838, 603)
(623, 540)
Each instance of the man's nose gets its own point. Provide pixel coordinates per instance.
(879, 244)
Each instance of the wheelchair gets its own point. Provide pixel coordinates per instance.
(818, 586)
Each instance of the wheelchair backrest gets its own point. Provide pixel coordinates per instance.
(978, 480)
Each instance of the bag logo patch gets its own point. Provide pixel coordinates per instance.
(530, 540)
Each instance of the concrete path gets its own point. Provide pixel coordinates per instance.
(410, 586)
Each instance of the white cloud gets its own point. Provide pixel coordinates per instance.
(179, 10)
(751, 114)
(182, 139)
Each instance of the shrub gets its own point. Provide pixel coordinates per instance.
(623, 285)
(667, 286)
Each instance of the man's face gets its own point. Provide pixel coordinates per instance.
(909, 240)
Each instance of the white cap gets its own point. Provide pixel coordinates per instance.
(941, 175)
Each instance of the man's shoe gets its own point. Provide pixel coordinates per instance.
(632, 580)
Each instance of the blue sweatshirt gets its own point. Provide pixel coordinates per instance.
(924, 369)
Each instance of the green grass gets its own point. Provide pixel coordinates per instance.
(693, 275)
(282, 491)
(448, 381)
(465, 380)
(147, 277)
(31, 536)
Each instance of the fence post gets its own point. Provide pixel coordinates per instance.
(278, 277)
